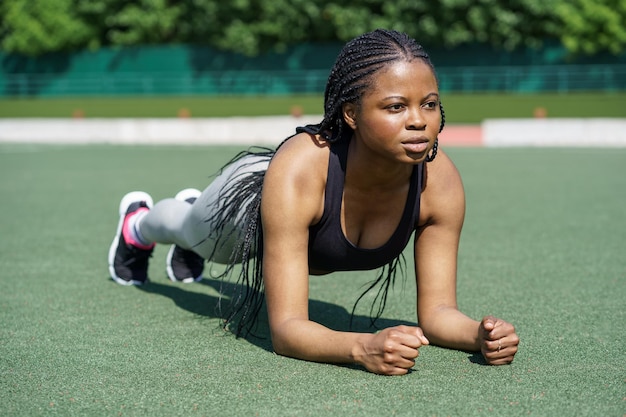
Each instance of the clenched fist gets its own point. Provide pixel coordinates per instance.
(392, 351)
(498, 340)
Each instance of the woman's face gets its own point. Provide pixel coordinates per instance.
(398, 116)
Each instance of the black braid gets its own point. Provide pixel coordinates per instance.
(443, 117)
(241, 191)
(433, 152)
(386, 279)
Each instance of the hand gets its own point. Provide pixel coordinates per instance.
(498, 341)
(393, 350)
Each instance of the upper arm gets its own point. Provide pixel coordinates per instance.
(291, 202)
(437, 241)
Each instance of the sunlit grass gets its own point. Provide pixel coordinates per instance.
(460, 108)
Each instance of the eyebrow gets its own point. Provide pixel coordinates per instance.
(401, 97)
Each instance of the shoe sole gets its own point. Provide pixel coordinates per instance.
(127, 200)
(182, 195)
(170, 271)
(187, 193)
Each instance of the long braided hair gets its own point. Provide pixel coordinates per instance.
(349, 78)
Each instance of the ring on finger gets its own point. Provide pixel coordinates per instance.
(499, 345)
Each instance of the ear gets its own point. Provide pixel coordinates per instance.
(349, 114)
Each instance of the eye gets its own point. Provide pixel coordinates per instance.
(396, 107)
(431, 104)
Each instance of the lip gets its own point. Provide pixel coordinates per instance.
(416, 145)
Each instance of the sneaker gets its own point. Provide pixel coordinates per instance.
(128, 260)
(184, 265)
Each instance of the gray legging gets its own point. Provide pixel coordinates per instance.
(192, 226)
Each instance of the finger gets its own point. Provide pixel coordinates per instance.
(495, 328)
(403, 359)
(408, 336)
(489, 323)
(504, 360)
(512, 340)
(493, 346)
(393, 370)
(420, 334)
(393, 364)
(501, 329)
(495, 351)
(395, 350)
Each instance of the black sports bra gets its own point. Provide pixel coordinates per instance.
(330, 250)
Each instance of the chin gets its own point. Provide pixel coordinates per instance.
(415, 158)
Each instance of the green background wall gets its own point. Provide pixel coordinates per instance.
(189, 70)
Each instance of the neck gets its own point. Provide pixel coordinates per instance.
(367, 169)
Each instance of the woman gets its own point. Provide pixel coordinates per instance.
(346, 194)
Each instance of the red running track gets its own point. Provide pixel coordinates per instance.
(461, 135)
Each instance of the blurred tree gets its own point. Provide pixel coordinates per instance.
(590, 26)
(254, 26)
(504, 24)
(34, 27)
(137, 22)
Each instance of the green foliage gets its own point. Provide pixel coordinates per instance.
(34, 27)
(147, 21)
(590, 26)
(504, 24)
(249, 26)
(253, 26)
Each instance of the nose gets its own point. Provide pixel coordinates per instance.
(415, 120)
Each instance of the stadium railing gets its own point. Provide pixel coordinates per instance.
(505, 79)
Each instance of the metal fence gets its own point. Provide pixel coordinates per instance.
(511, 79)
(520, 79)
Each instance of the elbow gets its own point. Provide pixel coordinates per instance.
(430, 321)
(290, 337)
(279, 346)
(429, 332)
(281, 343)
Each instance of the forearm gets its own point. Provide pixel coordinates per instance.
(307, 340)
(448, 327)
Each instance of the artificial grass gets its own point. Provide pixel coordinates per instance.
(460, 108)
(543, 247)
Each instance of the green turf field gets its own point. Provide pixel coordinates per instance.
(460, 108)
(543, 247)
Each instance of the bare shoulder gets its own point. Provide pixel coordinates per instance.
(302, 147)
(296, 177)
(303, 159)
(443, 194)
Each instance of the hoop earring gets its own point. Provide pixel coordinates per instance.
(433, 153)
